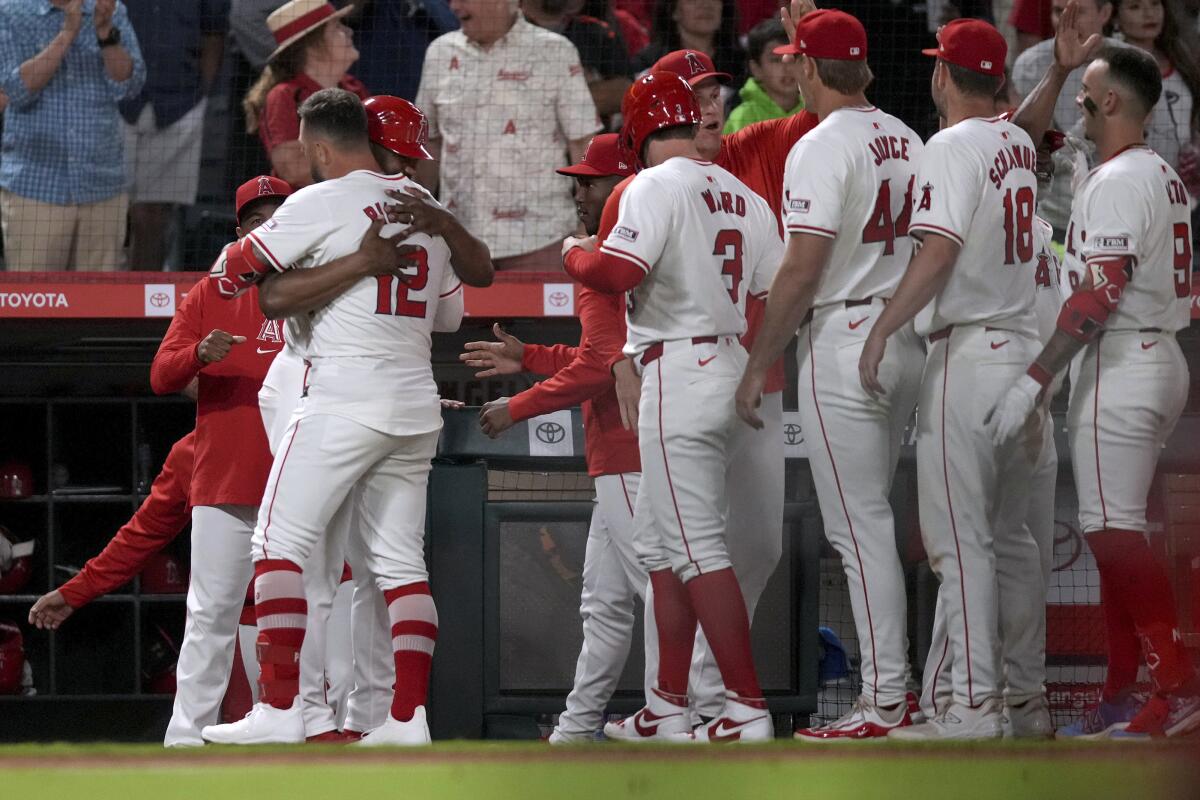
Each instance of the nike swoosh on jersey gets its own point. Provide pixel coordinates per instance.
(722, 731)
(704, 361)
(854, 325)
(998, 345)
(260, 351)
(1148, 345)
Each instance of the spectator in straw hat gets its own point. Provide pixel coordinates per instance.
(314, 51)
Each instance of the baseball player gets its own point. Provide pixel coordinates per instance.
(847, 198)
(369, 391)
(754, 155)
(1021, 593)
(690, 242)
(970, 283)
(612, 577)
(397, 131)
(1130, 232)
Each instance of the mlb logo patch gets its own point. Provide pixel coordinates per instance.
(628, 234)
(799, 206)
(985, 65)
(1112, 242)
(854, 51)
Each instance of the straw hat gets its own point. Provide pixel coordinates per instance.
(292, 21)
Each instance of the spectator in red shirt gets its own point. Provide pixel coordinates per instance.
(634, 32)
(1033, 21)
(315, 50)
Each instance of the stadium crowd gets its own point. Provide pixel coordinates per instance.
(127, 125)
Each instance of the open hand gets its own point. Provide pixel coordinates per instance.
(868, 365)
(50, 611)
(495, 358)
(749, 398)
(789, 15)
(629, 392)
(411, 209)
(1071, 49)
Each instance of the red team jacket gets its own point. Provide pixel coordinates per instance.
(756, 155)
(582, 375)
(157, 521)
(232, 455)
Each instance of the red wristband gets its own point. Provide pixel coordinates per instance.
(1039, 374)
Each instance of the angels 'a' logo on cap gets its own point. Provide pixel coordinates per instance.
(694, 63)
(264, 186)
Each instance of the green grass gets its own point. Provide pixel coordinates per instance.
(532, 771)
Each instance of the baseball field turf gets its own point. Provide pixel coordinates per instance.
(534, 771)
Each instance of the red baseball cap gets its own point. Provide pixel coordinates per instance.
(691, 65)
(973, 44)
(258, 188)
(602, 159)
(828, 33)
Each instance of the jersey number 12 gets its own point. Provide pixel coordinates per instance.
(404, 305)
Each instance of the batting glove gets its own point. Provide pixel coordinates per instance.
(1008, 416)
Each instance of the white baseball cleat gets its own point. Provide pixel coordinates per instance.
(1028, 720)
(740, 721)
(558, 737)
(660, 720)
(865, 721)
(265, 724)
(395, 733)
(956, 722)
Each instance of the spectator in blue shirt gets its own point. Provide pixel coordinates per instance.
(391, 39)
(182, 42)
(64, 65)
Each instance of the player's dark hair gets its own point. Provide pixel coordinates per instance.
(336, 115)
(1137, 71)
(972, 83)
(673, 132)
(844, 77)
(768, 33)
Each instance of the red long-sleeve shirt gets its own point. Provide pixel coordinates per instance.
(153, 526)
(232, 456)
(582, 375)
(756, 155)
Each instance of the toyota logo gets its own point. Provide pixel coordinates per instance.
(160, 299)
(792, 434)
(550, 432)
(558, 299)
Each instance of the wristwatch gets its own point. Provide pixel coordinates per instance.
(113, 39)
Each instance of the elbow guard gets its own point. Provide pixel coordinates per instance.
(237, 269)
(1087, 309)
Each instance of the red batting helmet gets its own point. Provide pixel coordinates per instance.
(12, 658)
(16, 563)
(395, 124)
(654, 102)
(16, 480)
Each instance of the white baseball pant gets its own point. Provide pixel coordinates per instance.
(965, 482)
(612, 581)
(323, 458)
(374, 667)
(1131, 389)
(1022, 596)
(685, 421)
(853, 444)
(221, 570)
(753, 534)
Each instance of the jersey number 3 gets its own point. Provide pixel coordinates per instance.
(404, 305)
(729, 244)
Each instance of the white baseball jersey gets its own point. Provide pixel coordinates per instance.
(851, 179)
(1135, 205)
(704, 239)
(976, 186)
(370, 347)
(1047, 277)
